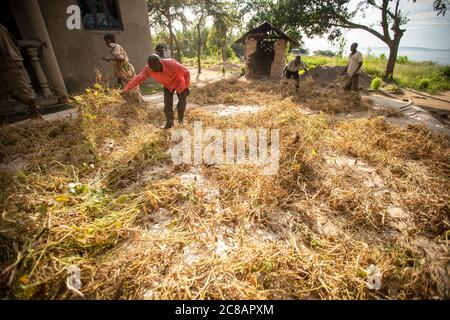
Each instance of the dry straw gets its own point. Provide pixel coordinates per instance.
(349, 194)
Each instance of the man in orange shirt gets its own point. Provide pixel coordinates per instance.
(174, 77)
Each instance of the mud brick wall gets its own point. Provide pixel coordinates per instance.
(250, 48)
(279, 61)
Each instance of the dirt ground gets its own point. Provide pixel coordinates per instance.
(327, 76)
(439, 101)
(209, 75)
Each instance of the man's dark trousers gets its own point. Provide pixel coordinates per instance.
(352, 83)
(168, 105)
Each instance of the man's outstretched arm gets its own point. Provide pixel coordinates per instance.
(137, 80)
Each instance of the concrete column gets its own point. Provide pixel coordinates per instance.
(33, 53)
(28, 16)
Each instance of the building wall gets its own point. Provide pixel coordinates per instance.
(250, 48)
(279, 61)
(80, 52)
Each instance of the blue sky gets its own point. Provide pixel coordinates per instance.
(424, 29)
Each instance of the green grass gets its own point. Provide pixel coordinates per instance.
(190, 62)
(317, 61)
(207, 61)
(409, 74)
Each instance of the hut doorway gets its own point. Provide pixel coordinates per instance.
(261, 60)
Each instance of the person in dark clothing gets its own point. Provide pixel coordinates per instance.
(161, 50)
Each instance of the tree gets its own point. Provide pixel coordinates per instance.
(165, 13)
(325, 53)
(278, 13)
(221, 28)
(201, 9)
(226, 15)
(440, 6)
(317, 17)
(342, 43)
(392, 21)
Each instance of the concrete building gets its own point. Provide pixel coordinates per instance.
(65, 61)
(265, 50)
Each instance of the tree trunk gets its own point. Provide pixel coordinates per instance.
(393, 53)
(178, 55)
(389, 72)
(224, 52)
(169, 24)
(199, 49)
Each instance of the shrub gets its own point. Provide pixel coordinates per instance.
(376, 83)
(304, 51)
(325, 53)
(391, 87)
(230, 53)
(402, 59)
(424, 84)
(446, 71)
(382, 56)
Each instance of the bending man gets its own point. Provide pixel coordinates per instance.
(292, 68)
(174, 77)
